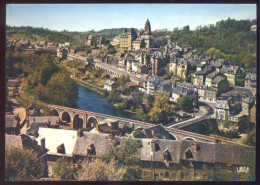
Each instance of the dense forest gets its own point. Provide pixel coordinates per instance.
(229, 39)
(50, 83)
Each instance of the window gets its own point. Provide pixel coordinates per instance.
(167, 174)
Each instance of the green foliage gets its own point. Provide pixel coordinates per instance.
(161, 108)
(22, 165)
(63, 90)
(63, 169)
(125, 154)
(250, 138)
(229, 39)
(98, 170)
(105, 93)
(111, 49)
(125, 104)
(140, 114)
(122, 80)
(40, 33)
(249, 62)
(184, 103)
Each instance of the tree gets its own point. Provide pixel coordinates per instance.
(141, 114)
(98, 170)
(63, 90)
(161, 108)
(22, 165)
(125, 155)
(184, 103)
(63, 169)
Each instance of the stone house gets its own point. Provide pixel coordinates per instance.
(161, 159)
(109, 85)
(222, 110)
(12, 124)
(250, 80)
(151, 84)
(179, 67)
(235, 75)
(207, 93)
(23, 141)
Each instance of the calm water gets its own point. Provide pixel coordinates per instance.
(91, 101)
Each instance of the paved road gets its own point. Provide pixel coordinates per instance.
(196, 119)
(118, 71)
(191, 121)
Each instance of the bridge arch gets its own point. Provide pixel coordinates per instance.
(189, 139)
(65, 116)
(173, 136)
(54, 112)
(91, 121)
(78, 121)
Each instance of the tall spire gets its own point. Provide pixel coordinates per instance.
(147, 27)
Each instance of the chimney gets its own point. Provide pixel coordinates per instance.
(43, 144)
(195, 146)
(79, 133)
(133, 127)
(153, 132)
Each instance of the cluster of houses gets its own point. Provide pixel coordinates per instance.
(37, 47)
(162, 156)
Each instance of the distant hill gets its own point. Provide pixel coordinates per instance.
(229, 39)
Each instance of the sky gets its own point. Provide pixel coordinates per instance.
(84, 17)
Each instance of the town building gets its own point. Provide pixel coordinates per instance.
(109, 85)
(250, 80)
(222, 109)
(126, 39)
(235, 75)
(152, 83)
(12, 124)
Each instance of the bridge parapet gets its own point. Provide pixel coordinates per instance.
(180, 134)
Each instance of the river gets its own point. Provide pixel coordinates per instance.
(92, 101)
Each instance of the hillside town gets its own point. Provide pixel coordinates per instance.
(217, 91)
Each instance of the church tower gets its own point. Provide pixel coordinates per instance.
(147, 27)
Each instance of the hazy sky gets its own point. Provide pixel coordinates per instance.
(83, 17)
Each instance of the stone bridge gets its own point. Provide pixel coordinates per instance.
(86, 119)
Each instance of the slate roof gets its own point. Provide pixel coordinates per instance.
(234, 154)
(109, 82)
(174, 148)
(34, 127)
(249, 99)
(153, 79)
(11, 121)
(180, 90)
(159, 132)
(222, 103)
(217, 79)
(205, 151)
(212, 75)
(100, 141)
(243, 91)
(13, 141)
(229, 69)
(53, 120)
(23, 142)
(204, 71)
(204, 87)
(251, 76)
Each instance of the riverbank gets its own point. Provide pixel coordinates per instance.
(90, 86)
